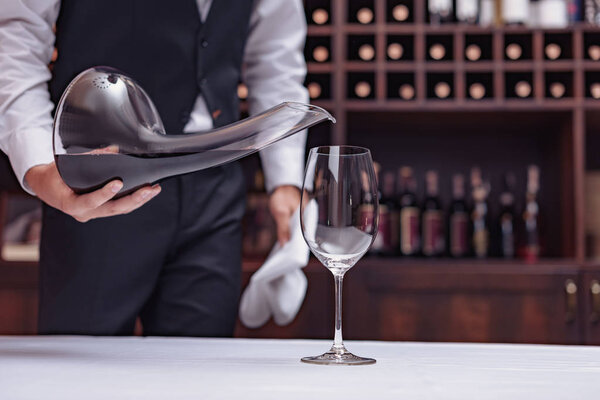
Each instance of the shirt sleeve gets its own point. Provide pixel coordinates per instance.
(26, 46)
(274, 72)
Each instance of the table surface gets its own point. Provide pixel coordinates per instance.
(72, 367)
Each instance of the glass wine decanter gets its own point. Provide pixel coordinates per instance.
(106, 127)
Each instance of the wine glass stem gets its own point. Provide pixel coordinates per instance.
(338, 344)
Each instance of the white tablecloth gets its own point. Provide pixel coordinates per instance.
(174, 368)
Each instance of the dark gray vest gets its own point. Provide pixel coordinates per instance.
(161, 44)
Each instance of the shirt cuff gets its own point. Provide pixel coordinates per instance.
(283, 162)
(27, 149)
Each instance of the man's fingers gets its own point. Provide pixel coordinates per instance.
(128, 203)
(85, 203)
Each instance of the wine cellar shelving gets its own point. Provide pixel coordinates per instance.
(408, 66)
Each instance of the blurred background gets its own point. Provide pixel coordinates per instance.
(483, 118)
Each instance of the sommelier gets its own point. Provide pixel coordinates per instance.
(175, 262)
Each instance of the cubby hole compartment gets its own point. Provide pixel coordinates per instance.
(361, 48)
(439, 47)
(318, 12)
(400, 48)
(400, 11)
(524, 41)
(563, 42)
(497, 142)
(513, 88)
(359, 12)
(592, 85)
(485, 79)
(483, 43)
(319, 86)
(322, 45)
(360, 85)
(591, 46)
(440, 78)
(401, 86)
(565, 79)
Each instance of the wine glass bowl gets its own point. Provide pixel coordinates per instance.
(339, 222)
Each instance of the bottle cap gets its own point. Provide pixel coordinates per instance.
(473, 52)
(395, 51)
(514, 51)
(477, 91)
(362, 89)
(364, 15)
(400, 13)
(437, 51)
(366, 52)
(320, 16)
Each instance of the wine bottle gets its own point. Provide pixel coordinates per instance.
(553, 14)
(314, 90)
(366, 52)
(395, 51)
(437, 51)
(410, 241)
(515, 12)
(473, 52)
(507, 217)
(552, 51)
(594, 52)
(440, 11)
(367, 213)
(91, 150)
(557, 90)
(442, 90)
(487, 13)
(523, 89)
(362, 89)
(320, 54)
(406, 91)
(320, 16)
(513, 51)
(388, 217)
(595, 90)
(364, 15)
(531, 248)
(476, 91)
(467, 11)
(479, 216)
(259, 227)
(433, 240)
(242, 91)
(458, 219)
(400, 13)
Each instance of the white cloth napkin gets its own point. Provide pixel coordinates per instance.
(278, 288)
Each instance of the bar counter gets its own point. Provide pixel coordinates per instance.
(71, 367)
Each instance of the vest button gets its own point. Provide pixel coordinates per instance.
(204, 43)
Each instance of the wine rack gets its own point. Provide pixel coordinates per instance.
(410, 67)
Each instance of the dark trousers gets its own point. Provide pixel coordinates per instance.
(175, 263)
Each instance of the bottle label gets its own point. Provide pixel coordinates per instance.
(508, 237)
(409, 230)
(433, 232)
(382, 228)
(459, 223)
(481, 242)
(367, 218)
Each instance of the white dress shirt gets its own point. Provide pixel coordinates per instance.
(274, 70)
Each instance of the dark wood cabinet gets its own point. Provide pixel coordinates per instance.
(590, 298)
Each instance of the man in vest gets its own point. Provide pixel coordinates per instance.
(174, 258)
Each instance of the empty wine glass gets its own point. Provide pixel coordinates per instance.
(339, 223)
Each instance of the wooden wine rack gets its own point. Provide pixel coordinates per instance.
(573, 68)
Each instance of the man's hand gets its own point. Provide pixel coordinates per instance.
(283, 203)
(47, 184)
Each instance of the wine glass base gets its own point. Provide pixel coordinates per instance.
(336, 358)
